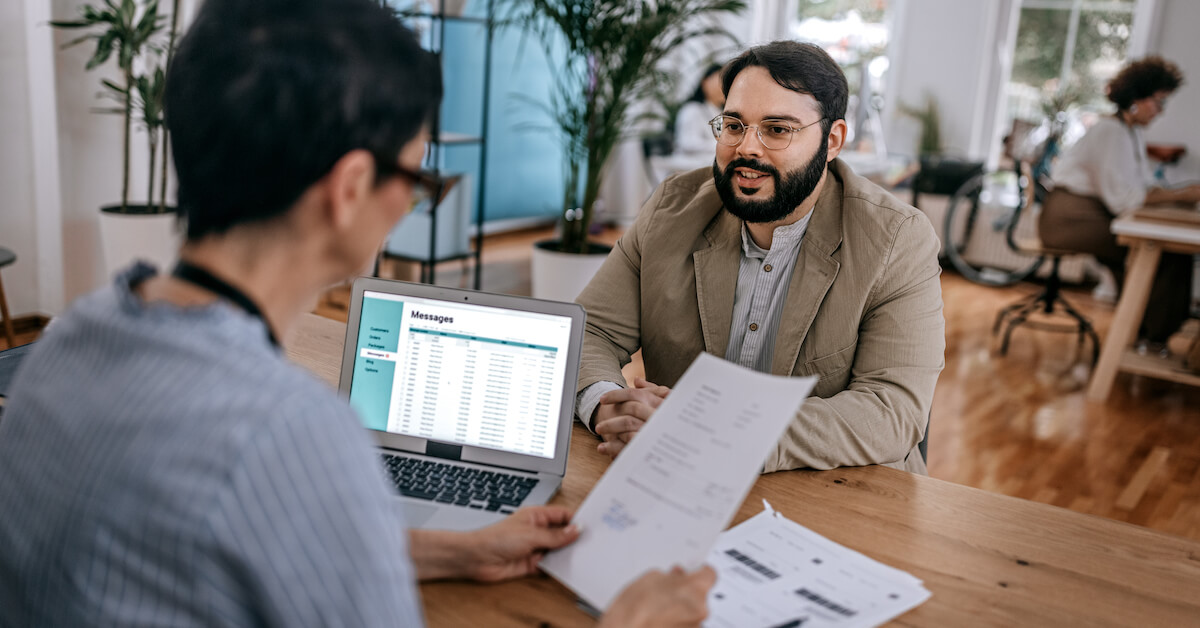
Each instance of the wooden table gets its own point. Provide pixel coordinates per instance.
(1147, 239)
(988, 559)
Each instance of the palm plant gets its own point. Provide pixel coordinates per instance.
(613, 53)
(127, 29)
(149, 91)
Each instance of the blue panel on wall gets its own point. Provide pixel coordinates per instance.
(524, 166)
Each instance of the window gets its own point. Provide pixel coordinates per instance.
(856, 34)
(1065, 52)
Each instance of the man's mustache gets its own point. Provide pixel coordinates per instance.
(742, 162)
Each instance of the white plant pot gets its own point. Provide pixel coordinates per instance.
(128, 237)
(561, 276)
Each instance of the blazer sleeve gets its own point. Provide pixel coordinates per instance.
(881, 415)
(613, 303)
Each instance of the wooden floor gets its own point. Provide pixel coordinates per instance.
(1018, 425)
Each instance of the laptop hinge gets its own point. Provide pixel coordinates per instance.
(442, 450)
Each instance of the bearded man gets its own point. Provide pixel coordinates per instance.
(781, 260)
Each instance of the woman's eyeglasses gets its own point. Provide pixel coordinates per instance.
(427, 185)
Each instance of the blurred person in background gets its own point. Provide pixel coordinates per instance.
(1106, 174)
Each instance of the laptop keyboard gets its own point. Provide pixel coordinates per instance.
(448, 483)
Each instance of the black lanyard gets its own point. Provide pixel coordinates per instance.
(198, 276)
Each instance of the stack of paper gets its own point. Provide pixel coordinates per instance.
(666, 498)
(774, 572)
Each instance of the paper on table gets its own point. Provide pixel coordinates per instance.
(774, 572)
(665, 499)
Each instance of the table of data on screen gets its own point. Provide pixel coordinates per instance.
(476, 390)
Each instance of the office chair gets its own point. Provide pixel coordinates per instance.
(1049, 300)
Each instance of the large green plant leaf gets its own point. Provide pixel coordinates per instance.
(128, 29)
(613, 52)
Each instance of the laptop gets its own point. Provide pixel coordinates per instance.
(469, 395)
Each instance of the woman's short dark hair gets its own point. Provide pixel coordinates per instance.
(1143, 79)
(800, 67)
(698, 95)
(264, 96)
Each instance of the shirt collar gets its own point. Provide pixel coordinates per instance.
(785, 237)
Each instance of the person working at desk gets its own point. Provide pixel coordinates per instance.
(780, 259)
(160, 461)
(1105, 174)
(691, 124)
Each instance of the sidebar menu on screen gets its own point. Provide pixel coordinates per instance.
(371, 388)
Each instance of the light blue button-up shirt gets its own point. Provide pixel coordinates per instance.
(162, 465)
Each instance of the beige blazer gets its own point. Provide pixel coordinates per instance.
(863, 312)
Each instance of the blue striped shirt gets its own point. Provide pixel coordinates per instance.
(166, 465)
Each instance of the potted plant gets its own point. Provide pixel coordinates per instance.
(131, 32)
(606, 55)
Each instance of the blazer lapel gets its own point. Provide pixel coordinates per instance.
(716, 279)
(812, 276)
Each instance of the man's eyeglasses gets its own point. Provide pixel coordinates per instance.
(773, 134)
(427, 185)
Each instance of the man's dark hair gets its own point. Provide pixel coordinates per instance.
(264, 96)
(800, 67)
(1143, 79)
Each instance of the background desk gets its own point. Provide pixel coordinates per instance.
(988, 559)
(1146, 239)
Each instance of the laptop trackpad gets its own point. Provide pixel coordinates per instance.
(415, 515)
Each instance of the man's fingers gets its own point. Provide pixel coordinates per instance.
(643, 395)
(645, 384)
(635, 409)
(624, 423)
(611, 447)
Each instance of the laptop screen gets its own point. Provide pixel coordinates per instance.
(460, 373)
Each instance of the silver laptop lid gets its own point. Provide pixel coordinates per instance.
(463, 375)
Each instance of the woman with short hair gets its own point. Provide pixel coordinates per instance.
(1106, 174)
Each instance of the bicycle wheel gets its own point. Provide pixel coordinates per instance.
(978, 219)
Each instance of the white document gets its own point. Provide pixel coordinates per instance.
(774, 572)
(666, 498)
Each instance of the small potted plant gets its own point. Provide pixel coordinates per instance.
(131, 34)
(606, 55)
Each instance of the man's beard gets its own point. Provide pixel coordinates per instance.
(790, 189)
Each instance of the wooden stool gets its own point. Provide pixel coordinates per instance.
(6, 257)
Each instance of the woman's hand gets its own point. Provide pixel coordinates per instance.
(509, 549)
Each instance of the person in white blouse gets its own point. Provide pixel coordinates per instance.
(692, 133)
(1106, 174)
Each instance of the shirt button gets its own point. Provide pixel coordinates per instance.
(753, 326)
(767, 268)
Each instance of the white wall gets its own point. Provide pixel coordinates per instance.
(17, 213)
(1176, 40)
(90, 156)
(943, 48)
